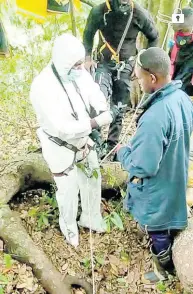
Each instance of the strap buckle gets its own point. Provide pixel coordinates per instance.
(120, 68)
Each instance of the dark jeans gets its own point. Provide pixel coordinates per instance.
(162, 240)
(118, 91)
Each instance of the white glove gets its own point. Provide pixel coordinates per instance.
(90, 142)
(103, 119)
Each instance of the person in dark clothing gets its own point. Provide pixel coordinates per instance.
(181, 53)
(115, 68)
(157, 159)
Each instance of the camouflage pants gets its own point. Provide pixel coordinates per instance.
(117, 91)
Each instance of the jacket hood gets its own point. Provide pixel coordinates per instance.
(67, 51)
(159, 94)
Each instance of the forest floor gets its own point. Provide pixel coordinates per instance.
(121, 256)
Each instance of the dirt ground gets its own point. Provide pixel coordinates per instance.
(121, 256)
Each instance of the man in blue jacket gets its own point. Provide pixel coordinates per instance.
(157, 159)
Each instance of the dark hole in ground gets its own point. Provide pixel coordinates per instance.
(111, 194)
(118, 245)
(107, 194)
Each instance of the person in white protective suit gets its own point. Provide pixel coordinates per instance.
(63, 95)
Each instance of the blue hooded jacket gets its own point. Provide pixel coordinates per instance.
(158, 154)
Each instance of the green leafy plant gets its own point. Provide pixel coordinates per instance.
(46, 212)
(43, 219)
(161, 287)
(90, 173)
(51, 201)
(100, 260)
(33, 212)
(113, 219)
(110, 178)
(124, 256)
(3, 279)
(86, 263)
(8, 261)
(1, 290)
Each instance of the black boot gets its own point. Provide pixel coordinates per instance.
(163, 266)
(53, 6)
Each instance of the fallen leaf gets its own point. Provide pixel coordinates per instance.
(64, 267)
(114, 260)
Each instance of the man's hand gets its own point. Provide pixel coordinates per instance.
(119, 146)
(89, 63)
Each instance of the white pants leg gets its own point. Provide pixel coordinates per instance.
(67, 198)
(90, 193)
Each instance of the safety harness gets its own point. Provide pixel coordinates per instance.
(115, 53)
(57, 140)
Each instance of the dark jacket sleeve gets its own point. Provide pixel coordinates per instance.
(92, 26)
(147, 26)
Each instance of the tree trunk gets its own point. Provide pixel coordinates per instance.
(166, 8)
(183, 257)
(22, 248)
(73, 20)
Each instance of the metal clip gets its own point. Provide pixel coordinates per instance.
(120, 69)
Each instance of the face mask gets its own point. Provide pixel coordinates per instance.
(183, 39)
(74, 74)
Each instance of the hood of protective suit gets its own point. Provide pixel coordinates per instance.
(67, 51)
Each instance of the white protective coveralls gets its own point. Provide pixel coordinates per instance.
(55, 116)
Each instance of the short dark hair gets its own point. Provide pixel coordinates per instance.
(156, 60)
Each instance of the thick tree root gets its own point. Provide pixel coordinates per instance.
(21, 246)
(27, 171)
(183, 257)
(21, 175)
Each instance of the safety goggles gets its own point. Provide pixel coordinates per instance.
(78, 64)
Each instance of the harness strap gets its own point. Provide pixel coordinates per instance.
(106, 44)
(60, 142)
(108, 5)
(74, 114)
(79, 92)
(173, 57)
(115, 53)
